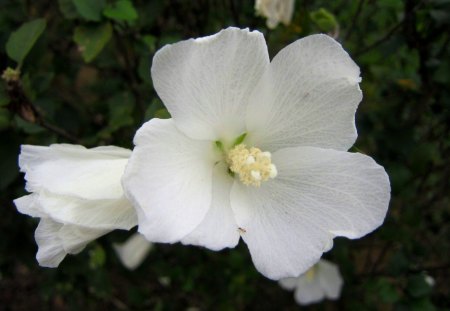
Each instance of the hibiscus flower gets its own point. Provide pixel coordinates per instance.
(321, 281)
(255, 149)
(275, 11)
(77, 195)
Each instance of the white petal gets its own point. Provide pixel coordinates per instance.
(169, 181)
(50, 250)
(74, 170)
(344, 193)
(318, 194)
(56, 240)
(205, 83)
(133, 251)
(307, 97)
(288, 283)
(96, 214)
(286, 10)
(330, 279)
(219, 229)
(275, 11)
(281, 241)
(75, 238)
(308, 291)
(29, 205)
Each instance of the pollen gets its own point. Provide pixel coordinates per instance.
(252, 165)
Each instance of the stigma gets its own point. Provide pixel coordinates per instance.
(252, 165)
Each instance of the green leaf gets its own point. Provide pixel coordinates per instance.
(150, 42)
(154, 106)
(90, 10)
(68, 9)
(22, 40)
(91, 40)
(122, 10)
(324, 19)
(162, 114)
(120, 110)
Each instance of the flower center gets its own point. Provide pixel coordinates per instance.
(251, 164)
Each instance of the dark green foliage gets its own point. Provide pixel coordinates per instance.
(92, 40)
(122, 10)
(21, 41)
(85, 78)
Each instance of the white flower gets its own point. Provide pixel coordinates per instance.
(255, 149)
(429, 280)
(77, 194)
(322, 281)
(275, 11)
(133, 251)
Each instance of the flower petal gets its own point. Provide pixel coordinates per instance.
(346, 193)
(96, 214)
(219, 229)
(282, 243)
(317, 194)
(75, 238)
(275, 11)
(307, 97)
(205, 83)
(169, 181)
(133, 251)
(50, 250)
(288, 283)
(308, 291)
(74, 170)
(330, 278)
(56, 240)
(28, 205)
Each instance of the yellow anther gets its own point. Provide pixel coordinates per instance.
(250, 160)
(252, 165)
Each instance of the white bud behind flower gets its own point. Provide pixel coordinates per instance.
(275, 11)
(321, 281)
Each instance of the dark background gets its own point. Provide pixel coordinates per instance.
(87, 80)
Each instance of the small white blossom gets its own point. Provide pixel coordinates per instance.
(77, 195)
(133, 251)
(429, 280)
(275, 11)
(255, 149)
(322, 281)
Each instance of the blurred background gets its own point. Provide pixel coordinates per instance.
(85, 79)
